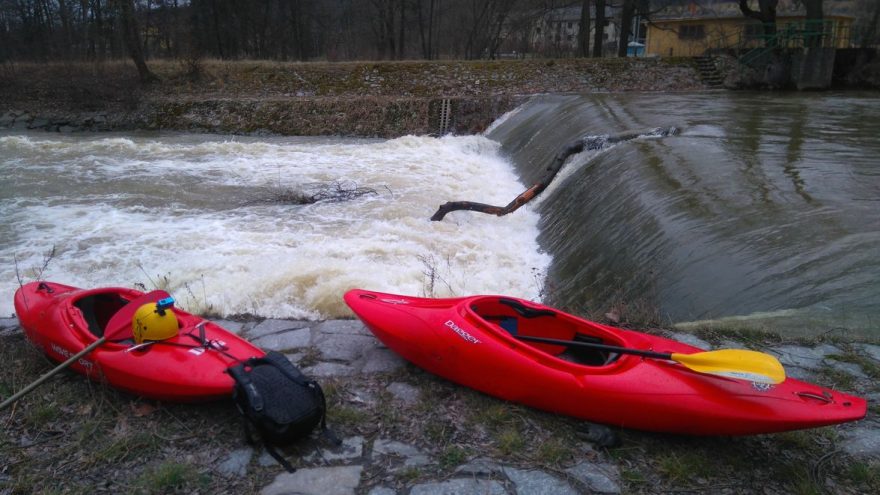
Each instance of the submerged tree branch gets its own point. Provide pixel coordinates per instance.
(336, 191)
(587, 143)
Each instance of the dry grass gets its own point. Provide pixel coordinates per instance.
(74, 436)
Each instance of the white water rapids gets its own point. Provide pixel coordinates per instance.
(166, 210)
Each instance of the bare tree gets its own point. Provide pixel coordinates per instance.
(766, 14)
(627, 11)
(425, 17)
(132, 38)
(869, 30)
(584, 30)
(599, 37)
(814, 20)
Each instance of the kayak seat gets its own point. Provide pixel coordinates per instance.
(97, 310)
(587, 356)
(508, 323)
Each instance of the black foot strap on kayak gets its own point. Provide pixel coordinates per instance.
(525, 311)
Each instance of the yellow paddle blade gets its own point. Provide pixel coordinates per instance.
(735, 363)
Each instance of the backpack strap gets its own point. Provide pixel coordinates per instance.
(278, 457)
(239, 375)
(327, 432)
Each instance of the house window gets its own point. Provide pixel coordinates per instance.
(570, 37)
(692, 32)
(569, 25)
(537, 30)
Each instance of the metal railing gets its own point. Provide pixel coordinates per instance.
(827, 33)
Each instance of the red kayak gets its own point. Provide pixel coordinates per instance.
(476, 341)
(187, 367)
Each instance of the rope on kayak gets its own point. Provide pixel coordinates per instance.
(214, 345)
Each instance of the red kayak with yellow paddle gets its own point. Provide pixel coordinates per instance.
(542, 357)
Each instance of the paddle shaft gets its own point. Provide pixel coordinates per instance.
(8, 402)
(604, 347)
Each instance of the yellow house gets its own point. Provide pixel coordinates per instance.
(693, 36)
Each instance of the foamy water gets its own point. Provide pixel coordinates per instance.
(167, 211)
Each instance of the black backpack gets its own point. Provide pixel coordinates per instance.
(277, 400)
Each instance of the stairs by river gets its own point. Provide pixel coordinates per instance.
(708, 72)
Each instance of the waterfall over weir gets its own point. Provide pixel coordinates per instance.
(763, 209)
(764, 212)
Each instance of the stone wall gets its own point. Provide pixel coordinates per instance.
(346, 99)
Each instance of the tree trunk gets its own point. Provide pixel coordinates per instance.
(133, 40)
(814, 25)
(626, 17)
(871, 30)
(766, 13)
(599, 37)
(401, 35)
(584, 30)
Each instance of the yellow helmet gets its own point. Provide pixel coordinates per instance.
(154, 321)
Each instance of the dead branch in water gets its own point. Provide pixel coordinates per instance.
(588, 143)
(333, 192)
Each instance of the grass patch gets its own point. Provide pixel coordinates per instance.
(495, 415)
(798, 439)
(438, 432)
(125, 448)
(43, 414)
(452, 456)
(683, 467)
(633, 477)
(868, 365)
(509, 441)
(554, 452)
(342, 415)
(837, 379)
(865, 474)
(170, 477)
(408, 475)
(749, 337)
(799, 481)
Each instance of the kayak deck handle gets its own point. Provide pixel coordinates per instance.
(825, 397)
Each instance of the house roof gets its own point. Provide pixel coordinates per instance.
(573, 14)
(740, 18)
(713, 9)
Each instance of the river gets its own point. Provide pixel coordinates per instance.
(762, 212)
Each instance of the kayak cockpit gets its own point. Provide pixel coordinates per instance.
(517, 319)
(108, 313)
(97, 309)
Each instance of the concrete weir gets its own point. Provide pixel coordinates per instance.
(813, 68)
